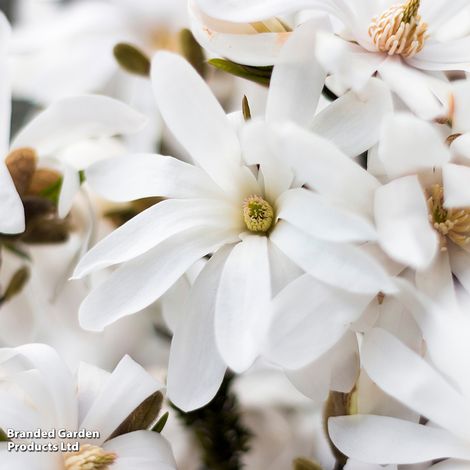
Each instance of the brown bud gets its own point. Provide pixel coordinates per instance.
(21, 164)
(43, 179)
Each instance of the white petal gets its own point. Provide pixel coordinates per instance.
(196, 369)
(195, 117)
(353, 121)
(315, 215)
(417, 385)
(260, 49)
(142, 450)
(327, 170)
(251, 10)
(283, 270)
(383, 440)
(69, 189)
(445, 333)
(437, 281)
(409, 145)
(11, 208)
(32, 461)
(350, 63)
(461, 116)
(338, 264)
(138, 283)
(5, 91)
(460, 264)
(56, 376)
(456, 182)
(261, 147)
(242, 307)
(401, 217)
(124, 390)
(297, 79)
(133, 177)
(90, 381)
(309, 317)
(336, 369)
(152, 226)
(437, 12)
(449, 55)
(76, 118)
(412, 86)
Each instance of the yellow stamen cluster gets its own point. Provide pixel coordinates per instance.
(452, 224)
(399, 30)
(89, 458)
(257, 214)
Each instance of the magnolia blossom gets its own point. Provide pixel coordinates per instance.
(396, 40)
(261, 226)
(421, 210)
(39, 392)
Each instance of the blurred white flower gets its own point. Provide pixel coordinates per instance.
(39, 392)
(397, 40)
(68, 122)
(262, 228)
(68, 50)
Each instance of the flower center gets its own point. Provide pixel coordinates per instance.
(453, 224)
(89, 458)
(257, 214)
(399, 30)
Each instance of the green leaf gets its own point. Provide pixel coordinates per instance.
(192, 51)
(246, 109)
(143, 417)
(161, 423)
(132, 59)
(261, 75)
(305, 464)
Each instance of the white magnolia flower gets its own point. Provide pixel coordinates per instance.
(441, 397)
(397, 40)
(421, 213)
(11, 208)
(262, 227)
(68, 122)
(38, 392)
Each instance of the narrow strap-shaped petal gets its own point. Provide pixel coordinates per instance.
(196, 369)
